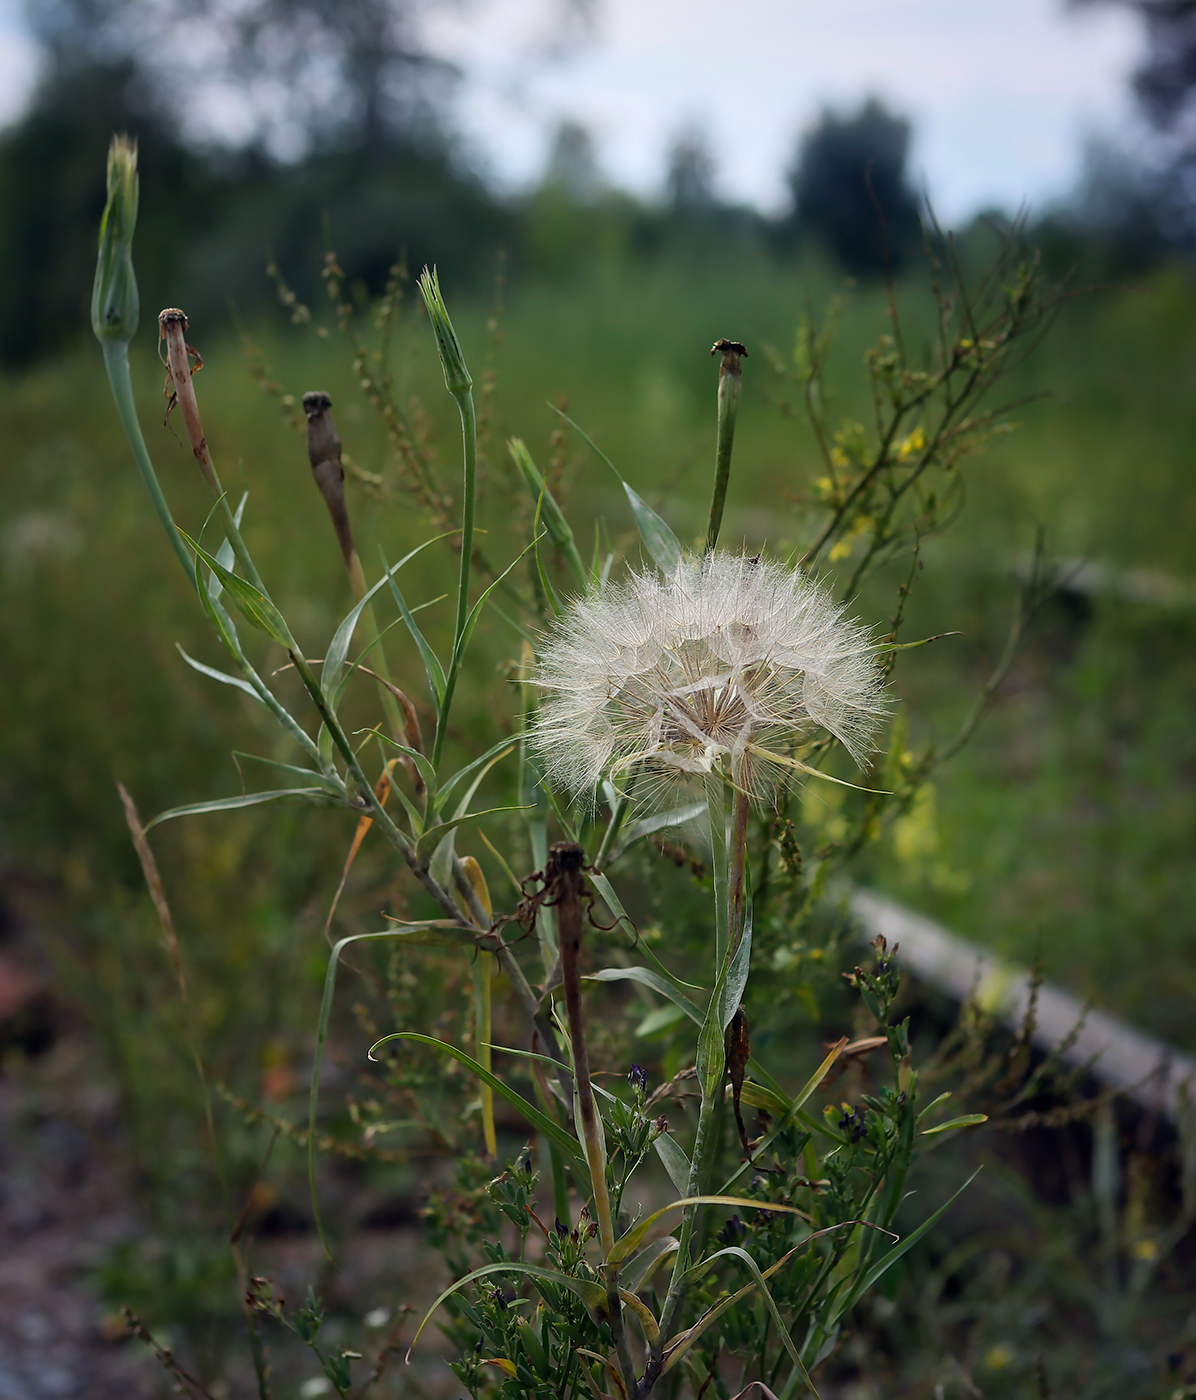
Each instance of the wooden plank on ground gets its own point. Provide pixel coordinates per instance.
(1154, 1075)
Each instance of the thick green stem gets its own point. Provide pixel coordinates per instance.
(116, 362)
(729, 859)
(737, 864)
(716, 810)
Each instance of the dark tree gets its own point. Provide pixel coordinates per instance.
(850, 189)
(350, 137)
(1165, 85)
(305, 74)
(689, 181)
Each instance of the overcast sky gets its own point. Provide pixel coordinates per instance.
(1002, 93)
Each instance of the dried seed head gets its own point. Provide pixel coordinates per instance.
(728, 664)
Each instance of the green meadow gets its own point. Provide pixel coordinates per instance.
(1062, 833)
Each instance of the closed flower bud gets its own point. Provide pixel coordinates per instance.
(114, 301)
(456, 377)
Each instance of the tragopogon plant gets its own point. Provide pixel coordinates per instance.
(673, 1257)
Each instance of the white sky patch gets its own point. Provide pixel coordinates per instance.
(1001, 92)
(18, 62)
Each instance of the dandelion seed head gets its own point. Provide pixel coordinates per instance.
(730, 663)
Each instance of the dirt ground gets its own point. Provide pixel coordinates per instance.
(63, 1203)
(68, 1199)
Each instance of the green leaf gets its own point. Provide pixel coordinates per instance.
(227, 633)
(494, 754)
(432, 666)
(331, 785)
(885, 1262)
(420, 935)
(648, 826)
(660, 1019)
(230, 804)
(222, 676)
(422, 764)
(793, 1109)
(435, 834)
(476, 611)
(338, 648)
(737, 973)
(965, 1120)
(626, 1245)
(566, 1143)
(675, 1159)
(550, 592)
(592, 1294)
(253, 605)
(677, 1346)
(557, 526)
(647, 978)
(649, 1259)
(658, 539)
(735, 1252)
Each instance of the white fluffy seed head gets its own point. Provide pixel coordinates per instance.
(730, 663)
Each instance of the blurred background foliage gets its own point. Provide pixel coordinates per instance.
(1064, 833)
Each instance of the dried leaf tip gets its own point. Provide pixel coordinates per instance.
(115, 306)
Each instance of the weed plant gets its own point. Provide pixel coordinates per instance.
(684, 708)
(1002, 842)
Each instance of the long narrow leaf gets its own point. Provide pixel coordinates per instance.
(793, 1107)
(886, 1261)
(420, 935)
(735, 1252)
(604, 887)
(647, 978)
(649, 1259)
(675, 1161)
(659, 540)
(222, 676)
(252, 604)
(435, 834)
(338, 648)
(592, 1294)
(331, 785)
(432, 666)
(248, 799)
(489, 758)
(677, 1346)
(662, 821)
(553, 1131)
(626, 1245)
(554, 518)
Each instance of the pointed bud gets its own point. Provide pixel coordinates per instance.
(456, 377)
(114, 302)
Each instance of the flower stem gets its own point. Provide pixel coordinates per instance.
(729, 855)
(738, 865)
(730, 387)
(716, 809)
(116, 362)
(565, 885)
